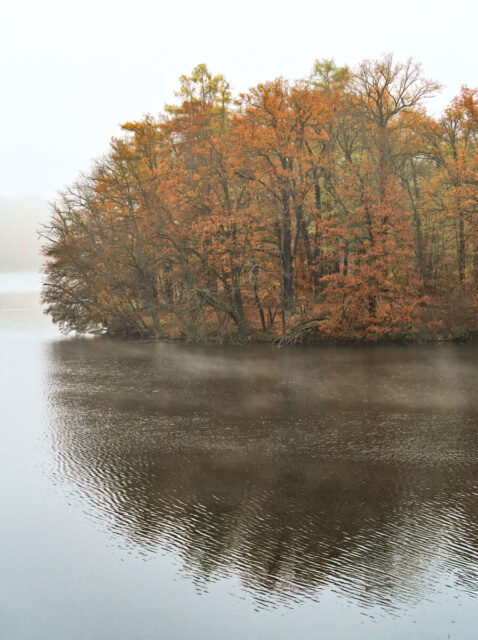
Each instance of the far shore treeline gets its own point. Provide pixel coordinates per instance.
(330, 208)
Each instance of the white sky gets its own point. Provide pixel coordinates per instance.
(72, 71)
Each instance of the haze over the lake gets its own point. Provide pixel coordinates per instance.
(181, 491)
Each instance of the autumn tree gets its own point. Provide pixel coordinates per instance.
(281, 142)
(334, 204)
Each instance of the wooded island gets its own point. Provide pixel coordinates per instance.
(332, 208)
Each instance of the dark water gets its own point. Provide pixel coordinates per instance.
(170, 491)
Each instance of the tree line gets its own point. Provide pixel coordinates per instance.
(334, 207)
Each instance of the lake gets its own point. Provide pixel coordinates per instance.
(171, 491)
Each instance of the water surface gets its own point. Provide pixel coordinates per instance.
(172, 491)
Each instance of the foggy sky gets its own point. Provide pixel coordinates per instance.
(21, 218)
(72, 71)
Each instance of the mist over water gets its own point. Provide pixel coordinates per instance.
(175, 491)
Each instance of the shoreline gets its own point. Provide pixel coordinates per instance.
(472, 340)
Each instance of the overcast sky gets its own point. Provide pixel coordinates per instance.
(72, 71)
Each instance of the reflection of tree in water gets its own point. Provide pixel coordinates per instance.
(230, 461)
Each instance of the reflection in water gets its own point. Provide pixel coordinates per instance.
(296, 470)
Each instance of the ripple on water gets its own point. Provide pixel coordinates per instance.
(298, 473)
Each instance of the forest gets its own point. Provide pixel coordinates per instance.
(330, 208)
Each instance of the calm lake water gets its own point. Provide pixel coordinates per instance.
(181, 492)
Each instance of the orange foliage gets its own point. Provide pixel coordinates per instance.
(330, 208)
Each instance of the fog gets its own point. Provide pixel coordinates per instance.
(71, 73)
(20, 219)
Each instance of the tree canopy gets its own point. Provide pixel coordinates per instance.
(331, 208)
